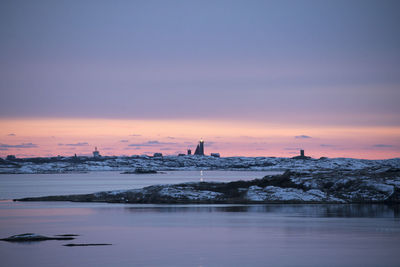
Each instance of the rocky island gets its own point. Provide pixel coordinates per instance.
(31, 237)
(142, 164)
(338, 185)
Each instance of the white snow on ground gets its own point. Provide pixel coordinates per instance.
(364, 195)
(256, 193)
(27, 235)
(308, 182)
(115, 192)
(384, 188)
(194, 163)
(323, 180)
(394, 183)
(24, 237)
(187, 192)
(273, 193)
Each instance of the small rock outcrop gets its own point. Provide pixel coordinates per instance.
(140, 171)
(85, 245)
(30, 237)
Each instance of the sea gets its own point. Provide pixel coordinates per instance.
(188, 235)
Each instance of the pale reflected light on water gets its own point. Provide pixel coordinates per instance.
(192, 235)
(202, 235)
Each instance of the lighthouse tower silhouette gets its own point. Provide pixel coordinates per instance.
(200, 148)
(96, 153)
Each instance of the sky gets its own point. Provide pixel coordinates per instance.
(253, 78)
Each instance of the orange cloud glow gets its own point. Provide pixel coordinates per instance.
(51, 137)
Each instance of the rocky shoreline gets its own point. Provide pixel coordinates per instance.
(146, 164)
(324, 186)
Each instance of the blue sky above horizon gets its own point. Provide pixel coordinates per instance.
(289, 63)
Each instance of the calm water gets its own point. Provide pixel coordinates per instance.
(200, 235)
(31, 185)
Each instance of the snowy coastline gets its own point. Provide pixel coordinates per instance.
(324, 186)
(184, 163)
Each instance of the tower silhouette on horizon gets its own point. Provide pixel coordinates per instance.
(96, 153)
(200, 148)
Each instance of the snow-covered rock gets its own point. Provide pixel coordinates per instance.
(188, 193)
(335, 186)
(80, 164)
(31, 237)
(278, 194)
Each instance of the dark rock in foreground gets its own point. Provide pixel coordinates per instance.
(140, 171)
(325, 186)
(85, 245)
(30, 237)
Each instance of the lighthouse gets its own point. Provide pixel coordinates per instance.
(96, 153)
(200, 148)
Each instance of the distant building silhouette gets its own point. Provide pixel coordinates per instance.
(96, 153)
(11, 157)
(157, 155)
(301, 156)
(216, 155)
(189, 152)
(200, 149)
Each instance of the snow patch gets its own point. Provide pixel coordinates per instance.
(274, 193)
(188, 192)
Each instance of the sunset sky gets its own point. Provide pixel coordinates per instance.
(252, 78)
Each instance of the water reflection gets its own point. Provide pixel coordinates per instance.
(295, 210)
(208, 235)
